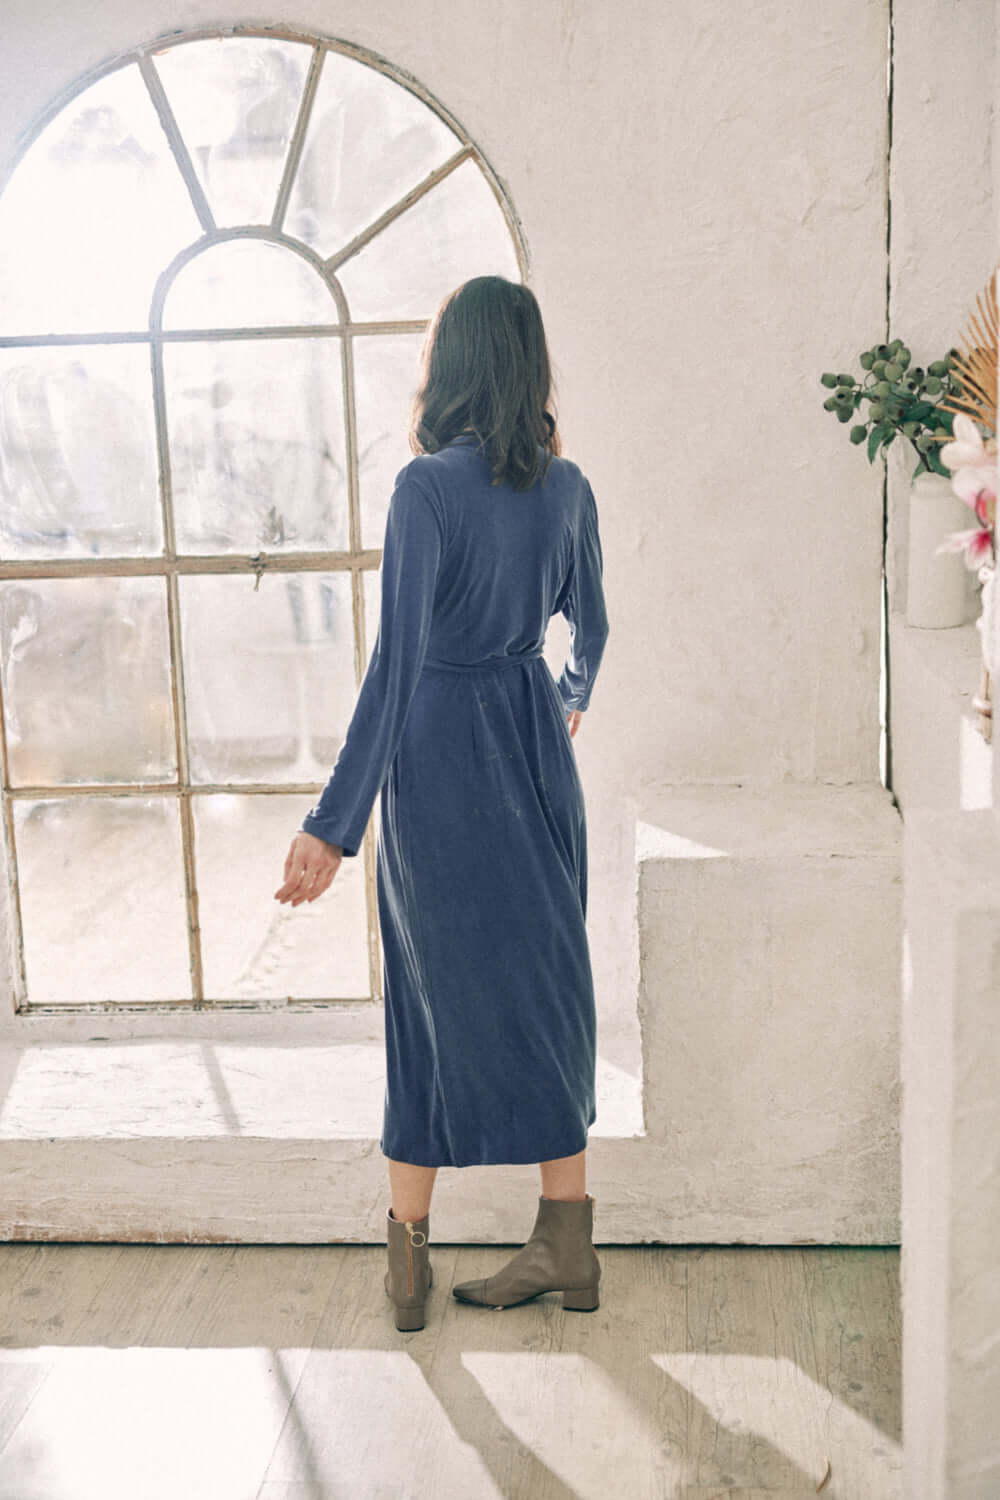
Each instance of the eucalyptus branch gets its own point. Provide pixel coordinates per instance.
(902, 401)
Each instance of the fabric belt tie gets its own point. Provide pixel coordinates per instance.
(498, 663)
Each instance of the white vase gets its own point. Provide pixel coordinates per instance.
(936, 582)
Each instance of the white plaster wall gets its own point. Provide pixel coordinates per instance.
(702, 191)
(943, 230)
(945, 244)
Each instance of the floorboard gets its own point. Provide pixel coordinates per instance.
(275, 1372)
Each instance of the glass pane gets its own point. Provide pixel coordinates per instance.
(102, 899)
(91, 215)
(385, 379)
(235, 100)
(248, 284)
(78, 453)
(368, 142)
(268, 673)
(257, 445)
(85, 680)
(454, 232)
(253, 947)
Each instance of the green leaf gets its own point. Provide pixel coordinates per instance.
(878, 435)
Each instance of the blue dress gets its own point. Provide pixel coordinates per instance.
(490, 1023)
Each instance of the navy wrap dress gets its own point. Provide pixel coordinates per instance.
(490, 1022)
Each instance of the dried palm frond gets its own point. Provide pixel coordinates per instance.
(976, 368)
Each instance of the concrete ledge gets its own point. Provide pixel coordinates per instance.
(770, 938)
(239, 1137)
(951, 1156)
(769, 923)
(939, 757)
(253, 1191)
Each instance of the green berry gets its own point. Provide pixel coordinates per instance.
(844, 414)
(845, 379)
(933, 386)
(939, 367)
(893, 371)
(831, 403)
(866, 361)
(878, 369)
(881, 388)
(876, 411)
(828, 379)
(858, 433)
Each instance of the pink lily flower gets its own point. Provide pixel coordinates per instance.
(977, 544)
(977, 486)
(974, 480)
(967, 450)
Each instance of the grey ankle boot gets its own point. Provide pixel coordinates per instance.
(409, 1277)
(558, 1257)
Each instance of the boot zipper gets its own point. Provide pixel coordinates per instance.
(413, 1236)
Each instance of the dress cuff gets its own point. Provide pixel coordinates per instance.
(320, 829)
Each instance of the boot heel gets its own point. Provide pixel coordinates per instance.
(409, 1318)
(585, 1301)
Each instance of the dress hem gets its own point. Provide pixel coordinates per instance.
(491, 1161)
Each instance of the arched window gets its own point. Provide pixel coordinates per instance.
(217, 260)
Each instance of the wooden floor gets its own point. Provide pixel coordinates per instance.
(172, 1372)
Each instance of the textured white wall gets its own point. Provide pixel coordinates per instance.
(944, 242)
(702, 190)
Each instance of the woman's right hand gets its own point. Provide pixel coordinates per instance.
(573, 720)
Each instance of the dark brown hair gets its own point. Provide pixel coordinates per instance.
(485, 370)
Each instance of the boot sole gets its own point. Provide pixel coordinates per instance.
(585, 1300)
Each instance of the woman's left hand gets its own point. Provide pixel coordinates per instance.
(309, 869)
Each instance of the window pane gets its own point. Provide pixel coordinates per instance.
(369, 141)
(102, 899)
(86, 681)
(248, 284)
(235, 100)
(385, 379)
(455, 231)
(78, 453)
(268, 673)
(257, 445)
(91, 215)
(254, 947)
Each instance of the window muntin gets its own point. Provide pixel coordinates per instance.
(201, 414)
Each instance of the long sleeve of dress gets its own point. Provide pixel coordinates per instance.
(584, 608)
(411, 557)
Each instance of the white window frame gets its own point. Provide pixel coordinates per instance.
(356, 559)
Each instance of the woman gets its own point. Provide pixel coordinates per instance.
(482, 857)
